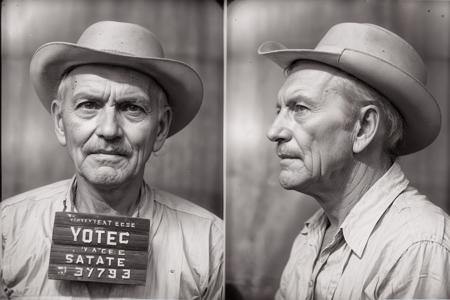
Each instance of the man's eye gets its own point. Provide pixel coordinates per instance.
(132, 108)
(88, 105)
(299, 108)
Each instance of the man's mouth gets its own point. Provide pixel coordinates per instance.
(113, 155)
(286, 156)
(283, 154)
(109, 152)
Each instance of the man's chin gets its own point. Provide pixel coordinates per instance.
(288, 186)
(292, 182)
(106, 177)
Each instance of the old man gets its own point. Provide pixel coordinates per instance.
(114, 100)
(346, 111)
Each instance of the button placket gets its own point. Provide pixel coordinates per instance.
(338, 255)
(331, 251)
(306, 292)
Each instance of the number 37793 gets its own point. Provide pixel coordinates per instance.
(93, 272)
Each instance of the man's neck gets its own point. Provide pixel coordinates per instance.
(338, 203)
(120, 200)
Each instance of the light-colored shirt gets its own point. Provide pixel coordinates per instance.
(185, 248)
(394, 244)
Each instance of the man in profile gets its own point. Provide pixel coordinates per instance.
(114, 100)
(347, 110)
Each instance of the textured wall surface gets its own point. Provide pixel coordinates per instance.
(190, 164)
(262, 218)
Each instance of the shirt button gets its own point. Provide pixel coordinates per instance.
(172, 271)
(310, 283)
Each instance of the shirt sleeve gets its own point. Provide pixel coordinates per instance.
(423, 271)
(2, 246)
(288, 275)
(215, 288)
(278, 295)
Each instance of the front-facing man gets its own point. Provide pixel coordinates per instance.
(114, 100)
(346, 111)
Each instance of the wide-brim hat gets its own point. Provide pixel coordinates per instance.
(384, 61)
(120, 44)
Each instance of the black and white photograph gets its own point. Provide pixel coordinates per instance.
(112, 181)
(337, 149)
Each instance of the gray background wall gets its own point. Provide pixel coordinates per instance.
(190, 163)
(262, 218)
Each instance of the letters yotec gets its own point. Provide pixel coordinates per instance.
(111, 238)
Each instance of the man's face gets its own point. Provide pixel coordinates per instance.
(110, 122)
(311, 130)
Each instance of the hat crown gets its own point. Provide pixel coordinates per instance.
(121, 38)
(375, 41)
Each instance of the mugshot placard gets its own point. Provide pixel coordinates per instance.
(99, 248)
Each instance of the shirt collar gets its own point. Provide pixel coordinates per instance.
(317, 220)
(362, 219)
(144, 208)
(70, 196)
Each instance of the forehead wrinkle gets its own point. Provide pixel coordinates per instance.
(296, 87)
(89, 85)
(147, 88)
(108, 91)
(286, 90)
(116, 74)
(135, 91)
(327, 86)
(105, 88)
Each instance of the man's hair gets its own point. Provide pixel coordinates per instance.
(63, 86)
(359, 94)
(155, 91)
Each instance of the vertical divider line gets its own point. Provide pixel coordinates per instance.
(224, 143)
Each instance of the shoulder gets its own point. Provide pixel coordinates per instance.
(419, 219)
(27, 209)
(418, 240)
(411, 222)
(36, 196)
(186, 210)
(31, 211)
(202, 232)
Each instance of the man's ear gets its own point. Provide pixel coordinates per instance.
(57, 115)
(366, 127)
(165, 120)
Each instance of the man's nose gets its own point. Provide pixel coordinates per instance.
(278, 131)
(108, 125)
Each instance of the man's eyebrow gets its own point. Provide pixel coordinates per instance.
(141, 99)
(87, 95)
(134, 95)
(98, 96)
(293, 99)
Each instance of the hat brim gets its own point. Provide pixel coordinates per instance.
(181, 83)
(408, 95)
